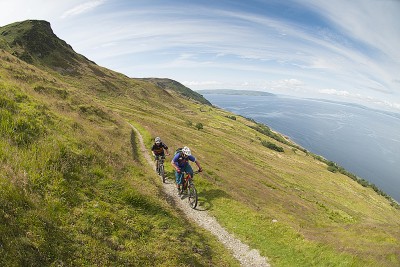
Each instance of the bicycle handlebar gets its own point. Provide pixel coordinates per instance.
(195, 172)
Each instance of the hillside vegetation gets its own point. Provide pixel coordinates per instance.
(75, 191)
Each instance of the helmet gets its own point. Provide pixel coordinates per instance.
(157, 140)
(186, 151)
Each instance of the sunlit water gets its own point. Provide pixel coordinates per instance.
(363, 141)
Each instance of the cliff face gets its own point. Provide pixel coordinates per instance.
(34, 42)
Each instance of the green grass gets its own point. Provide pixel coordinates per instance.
(284, 245)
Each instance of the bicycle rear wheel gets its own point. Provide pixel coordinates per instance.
(192, 196)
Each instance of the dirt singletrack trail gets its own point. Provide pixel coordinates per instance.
(242, 252)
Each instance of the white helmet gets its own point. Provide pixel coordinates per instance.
(157, 140)
(186, 151)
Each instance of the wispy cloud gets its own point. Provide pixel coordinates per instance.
(82, 8)
(360, 18)
(360, 98)
(201, 83)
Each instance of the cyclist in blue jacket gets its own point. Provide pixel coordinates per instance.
(180, 162)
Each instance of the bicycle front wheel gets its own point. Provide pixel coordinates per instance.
(162, 173)
(192, 196)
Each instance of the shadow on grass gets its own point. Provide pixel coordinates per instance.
(169, 177)
(134, 146)
(206, 198)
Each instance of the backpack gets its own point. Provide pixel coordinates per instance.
(178, 150)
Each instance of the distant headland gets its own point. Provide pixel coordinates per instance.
(234, 92)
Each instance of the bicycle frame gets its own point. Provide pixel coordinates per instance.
(160, 158)
(187, 179)
(191, 190)
(160, 167)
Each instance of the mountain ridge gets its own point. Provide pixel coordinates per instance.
(74, 182)
(169, 84)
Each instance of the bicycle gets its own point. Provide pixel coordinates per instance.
(160, 167)
(191, 190)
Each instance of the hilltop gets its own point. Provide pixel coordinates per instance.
(75, 189)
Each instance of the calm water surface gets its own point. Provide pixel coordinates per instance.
(363, 141)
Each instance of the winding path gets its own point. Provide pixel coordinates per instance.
(242, 252)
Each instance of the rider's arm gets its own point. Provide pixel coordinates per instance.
(174, 162)
(198, 165)
(192, 158)
(166, 148)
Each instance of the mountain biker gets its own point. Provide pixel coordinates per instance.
(180, 162)
(158, 149)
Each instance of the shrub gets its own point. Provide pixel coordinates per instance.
(272, 146)
(332, 169)
(199, 126)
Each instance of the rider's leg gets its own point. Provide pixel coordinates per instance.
(188, 169)
(156, 162)
(178, 179)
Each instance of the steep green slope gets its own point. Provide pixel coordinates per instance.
(66, 149)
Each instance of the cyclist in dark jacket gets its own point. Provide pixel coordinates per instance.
(158, 150)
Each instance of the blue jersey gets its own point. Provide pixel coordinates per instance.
(180, 161)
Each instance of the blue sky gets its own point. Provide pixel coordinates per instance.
(339, 50)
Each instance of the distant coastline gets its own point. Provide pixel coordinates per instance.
(233, 92)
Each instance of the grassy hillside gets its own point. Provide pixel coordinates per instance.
(75, 191)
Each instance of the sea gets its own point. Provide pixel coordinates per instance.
(364, 141)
